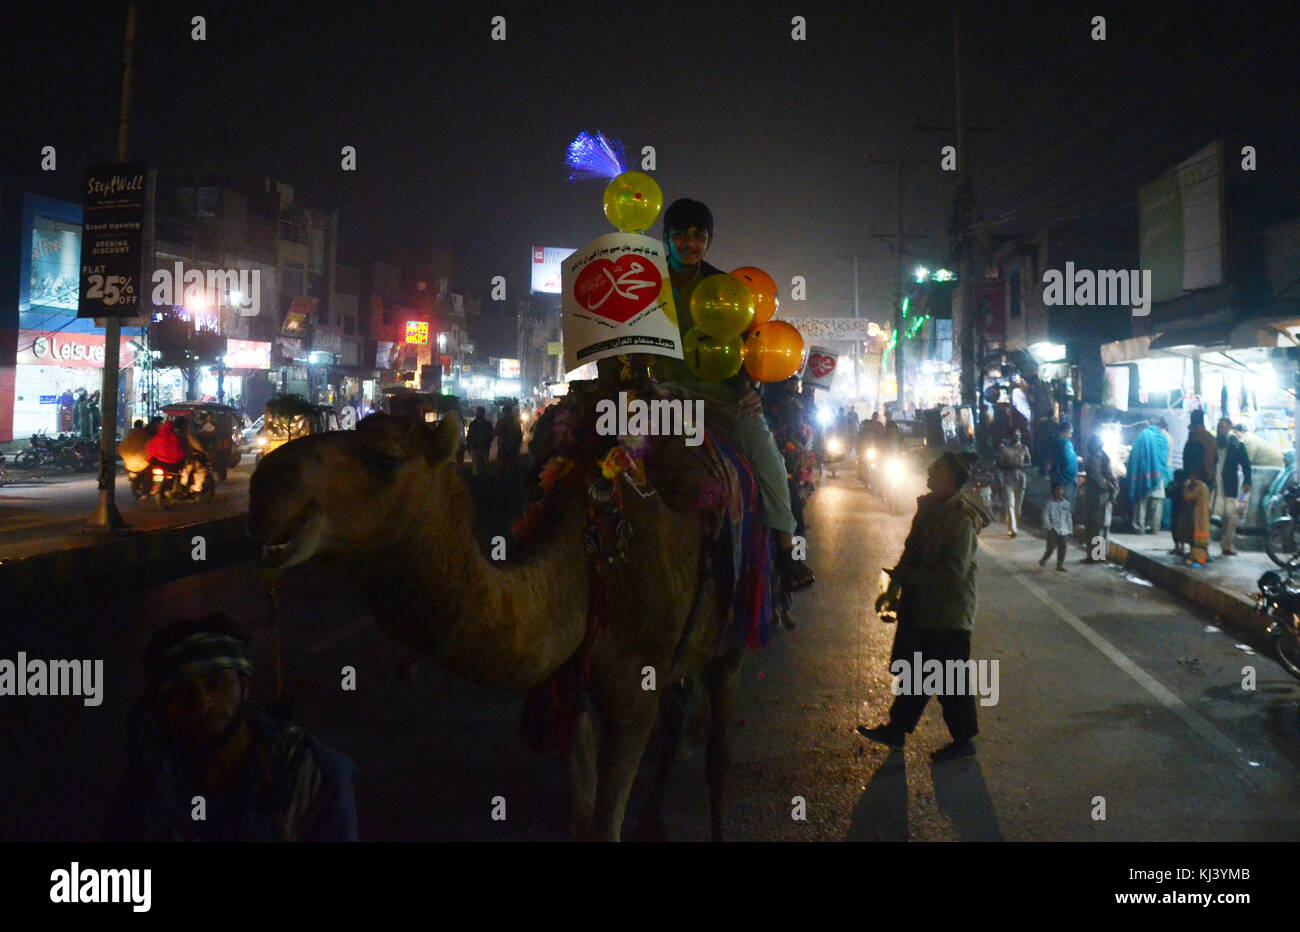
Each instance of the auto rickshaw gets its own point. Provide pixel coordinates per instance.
(428, 407)
(223, 443)
(288, 417)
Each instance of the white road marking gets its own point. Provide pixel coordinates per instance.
(1193, 720)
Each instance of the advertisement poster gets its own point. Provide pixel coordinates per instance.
(819, 371)
(118, 204)
(546, 274)
(617, 299)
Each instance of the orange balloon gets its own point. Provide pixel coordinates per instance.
(763, 289)
(774, 351)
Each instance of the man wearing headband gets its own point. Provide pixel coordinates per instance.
(933, 586)
(190, 735)
(732, 406)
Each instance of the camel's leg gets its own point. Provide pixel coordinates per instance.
(723, 679)
(625, 727)
(582, 774)
(672, 718)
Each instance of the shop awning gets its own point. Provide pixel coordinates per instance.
(1211, 331)
(1125, 350)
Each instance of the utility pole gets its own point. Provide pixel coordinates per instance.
(106, 515)
(899, 237)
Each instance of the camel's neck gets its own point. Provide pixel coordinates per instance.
(497, 624)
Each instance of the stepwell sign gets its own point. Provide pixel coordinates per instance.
(118, 204)
(1181, 226)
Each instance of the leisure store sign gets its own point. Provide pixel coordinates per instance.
(77, 350)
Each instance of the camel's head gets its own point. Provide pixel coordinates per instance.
(349, 491)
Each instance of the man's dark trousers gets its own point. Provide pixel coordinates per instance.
(958, 711)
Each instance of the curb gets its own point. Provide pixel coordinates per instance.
(142, 559)
(1236, 612)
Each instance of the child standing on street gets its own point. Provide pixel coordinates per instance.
(1174, 493)
(1058, 523)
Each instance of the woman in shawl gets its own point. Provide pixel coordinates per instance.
(1099, 496)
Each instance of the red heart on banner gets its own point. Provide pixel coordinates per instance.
(820, 365)
(618, 290)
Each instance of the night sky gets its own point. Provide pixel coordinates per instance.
(461, 139)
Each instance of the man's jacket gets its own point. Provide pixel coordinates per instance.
(937, 569)
(480, 434)
(1065, 462)
(1236, 458)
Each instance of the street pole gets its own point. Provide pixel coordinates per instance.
(106, 515)
(971, 362)
(857, 343)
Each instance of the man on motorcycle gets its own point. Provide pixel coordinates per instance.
(165, 448)
(194, 473)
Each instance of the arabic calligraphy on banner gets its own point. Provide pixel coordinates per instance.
(832, 328)
(617, 299)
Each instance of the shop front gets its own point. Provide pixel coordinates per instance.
(52, 368)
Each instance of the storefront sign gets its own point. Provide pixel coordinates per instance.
(248, 354)
(85, 350)
(299, 316)
(417, 332)
(507, 368)
(327, 339)
(117, 213)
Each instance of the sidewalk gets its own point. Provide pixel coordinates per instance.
(1225, 588)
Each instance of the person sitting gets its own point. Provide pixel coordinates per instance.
(731, 405)
(201, 768)
(165, 448)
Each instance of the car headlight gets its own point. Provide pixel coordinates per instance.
(895, 468)
(260, 441)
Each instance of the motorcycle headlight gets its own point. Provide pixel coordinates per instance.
(871, 453)
(260, 441)
(895, 469)
(834, 446)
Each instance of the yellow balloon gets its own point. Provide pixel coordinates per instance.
(774, 351)
(633, 201)
(722, 306)
(763, 289)
(710, 358)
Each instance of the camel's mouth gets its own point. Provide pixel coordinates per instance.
(297, 543)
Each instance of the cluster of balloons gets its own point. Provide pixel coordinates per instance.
(731, 314)
(733, 327)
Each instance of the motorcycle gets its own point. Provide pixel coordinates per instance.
(836, 450)
(161, 482)
(1278, 602)
(1282, 542)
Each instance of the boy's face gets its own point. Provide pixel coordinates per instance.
(1058, 493)
(687, 247)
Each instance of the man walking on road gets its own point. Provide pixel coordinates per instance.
(1013, 459)
(479, 441)
(1230, 458)
(933, 586)
(1065, 465)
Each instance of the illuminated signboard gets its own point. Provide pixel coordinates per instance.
(546, 268)
(248, 354)
(508, 368)
(417, 332)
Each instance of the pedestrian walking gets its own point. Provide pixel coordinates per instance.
(480, 440)
(1196, 517)
(933, 587)
(80, 416)
(1099, 499)
(510, 438)
(1231, 471)
(1148, 474)
(1013, 460)
(1058, 526)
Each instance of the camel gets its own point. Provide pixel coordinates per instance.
(389, 498)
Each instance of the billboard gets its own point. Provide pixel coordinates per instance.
(71, 350)
(546, 268)
(417, 332)
(117, 219)
(507, 368)
(1181, 226)
(51, 260)
(248, 354)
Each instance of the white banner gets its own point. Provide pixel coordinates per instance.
(546, 268)
(831, 328)
(617, 299)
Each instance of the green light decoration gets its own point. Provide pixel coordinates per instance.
(906, 301)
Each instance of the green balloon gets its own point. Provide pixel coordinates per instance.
(712, 359)
(722, 306)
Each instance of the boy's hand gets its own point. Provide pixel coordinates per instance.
(749, 402)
